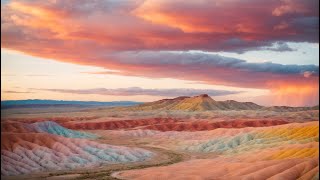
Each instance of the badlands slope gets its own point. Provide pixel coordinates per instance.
(47, 146)
(204, 102)
(281, 152)
(164, 124)
(181, 138)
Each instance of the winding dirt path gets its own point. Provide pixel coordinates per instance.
(164, 157)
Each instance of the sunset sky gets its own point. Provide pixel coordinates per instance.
(262, 51)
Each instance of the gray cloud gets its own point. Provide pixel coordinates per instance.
(281, 47)
(196, 59)
(133, 91)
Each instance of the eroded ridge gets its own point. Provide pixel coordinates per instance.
(168, 124)
(46, 146)
(287, 151)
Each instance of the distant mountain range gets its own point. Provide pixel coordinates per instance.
(201, 102)
(204, 102)
(37, 103)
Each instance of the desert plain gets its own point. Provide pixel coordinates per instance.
(181, 138)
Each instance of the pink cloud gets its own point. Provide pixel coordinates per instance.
(134, 37)
(160, 25)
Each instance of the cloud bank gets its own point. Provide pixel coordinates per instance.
(210, 69)
(157, 24)
(151, 38)
(134, 91)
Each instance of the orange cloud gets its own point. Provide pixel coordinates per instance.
(160, 25)
(134, 37)
(38, 18)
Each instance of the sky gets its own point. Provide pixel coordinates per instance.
(265, 52)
